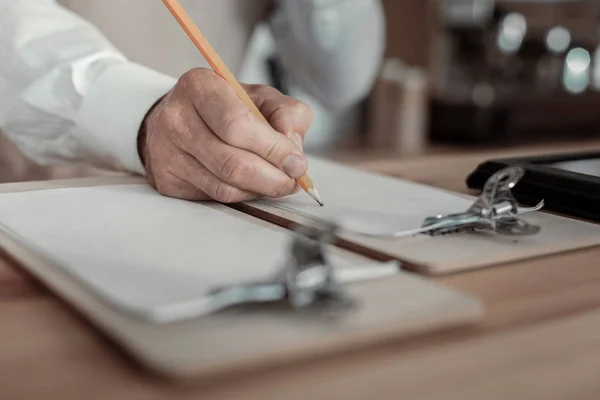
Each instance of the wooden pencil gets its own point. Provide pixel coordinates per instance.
(220, 68)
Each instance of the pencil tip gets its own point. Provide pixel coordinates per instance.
(315, 195)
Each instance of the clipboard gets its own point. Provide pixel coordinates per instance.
(254, 336)
(425, 254)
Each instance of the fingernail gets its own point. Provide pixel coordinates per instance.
(294, 166)
(297, 139)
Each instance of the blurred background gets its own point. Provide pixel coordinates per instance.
(456, 73)
(487, 73)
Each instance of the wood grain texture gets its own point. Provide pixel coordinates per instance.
(539, 340)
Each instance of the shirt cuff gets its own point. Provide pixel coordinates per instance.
(115, 106)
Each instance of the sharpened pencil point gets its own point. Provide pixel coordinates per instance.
(315, 195)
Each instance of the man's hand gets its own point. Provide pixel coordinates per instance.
(200, 142)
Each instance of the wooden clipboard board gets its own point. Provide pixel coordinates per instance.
(390, 309)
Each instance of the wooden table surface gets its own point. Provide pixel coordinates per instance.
(540, 339)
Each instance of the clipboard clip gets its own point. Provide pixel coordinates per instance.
(495, 210)
(308, 279)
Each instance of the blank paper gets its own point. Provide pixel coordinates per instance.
(369, 203)
(143, 252)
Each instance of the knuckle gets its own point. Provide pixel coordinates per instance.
(273, 148)
(262, 94)
(191, 76)
(225, 194)
(234, 126)
(187, 80)
(284, 189)
(292, 114)
(302, 109)
(234, 169)
(192, 80)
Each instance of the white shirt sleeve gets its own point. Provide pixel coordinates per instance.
(66, 94)
(333, 49)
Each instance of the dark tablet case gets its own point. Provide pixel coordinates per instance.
(564, 192)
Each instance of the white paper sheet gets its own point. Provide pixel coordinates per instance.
(142, 252)
(367, 203)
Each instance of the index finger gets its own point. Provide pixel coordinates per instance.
(285, 114)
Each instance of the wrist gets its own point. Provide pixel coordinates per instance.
(143, 131)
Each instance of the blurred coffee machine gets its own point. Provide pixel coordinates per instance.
(514, 70)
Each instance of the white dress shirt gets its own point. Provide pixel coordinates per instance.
(69, 95)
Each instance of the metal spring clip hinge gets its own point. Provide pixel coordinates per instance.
(309, 277)
(307, 280)
(495, 210)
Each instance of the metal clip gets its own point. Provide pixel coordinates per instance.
(307, 279)
(495, 210)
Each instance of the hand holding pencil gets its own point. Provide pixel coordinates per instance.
(211, 138)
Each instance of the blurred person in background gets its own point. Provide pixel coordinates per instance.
(99, 89)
